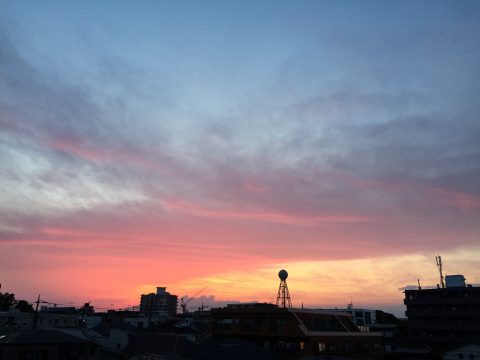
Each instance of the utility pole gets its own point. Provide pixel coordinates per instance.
(439, 265)
(35, 318)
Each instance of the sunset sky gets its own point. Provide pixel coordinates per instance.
(212, 143)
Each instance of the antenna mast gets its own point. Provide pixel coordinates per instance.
(439, 265)
(283, 296)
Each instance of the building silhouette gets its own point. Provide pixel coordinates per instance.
(300, 332)
(444, 317)
(160, 302)
(46, 344)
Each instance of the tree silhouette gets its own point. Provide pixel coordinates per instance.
(24, 306)
(6, 300)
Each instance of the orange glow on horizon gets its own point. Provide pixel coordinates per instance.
(107, 280)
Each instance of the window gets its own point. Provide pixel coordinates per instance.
(277, 324)
(250, 324)
(460, 355)
(321, 347)
(368, 318)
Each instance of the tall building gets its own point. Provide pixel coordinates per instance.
(444, 317)
(161, 302)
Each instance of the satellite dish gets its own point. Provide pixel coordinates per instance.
(283, 274)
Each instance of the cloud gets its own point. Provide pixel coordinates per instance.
(59, 152)
(370, 282)
(355, 145)
(311, 171)
(191, 209)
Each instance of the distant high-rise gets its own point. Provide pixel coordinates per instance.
(160, 302)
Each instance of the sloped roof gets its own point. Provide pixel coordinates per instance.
(164, 356)
(466, 348)
(42, 337)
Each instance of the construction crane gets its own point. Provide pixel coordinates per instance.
(183, 303)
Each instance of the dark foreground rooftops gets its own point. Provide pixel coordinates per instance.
(41, 337)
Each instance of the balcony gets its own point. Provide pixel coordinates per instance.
(444, 325)
(443, 313)
(474, 301)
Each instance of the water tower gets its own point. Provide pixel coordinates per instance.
(283, 296)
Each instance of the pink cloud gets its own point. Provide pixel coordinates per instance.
(255, 187)
(269, 216)
(49, 231)
(81, 149)
(77, 148)
(363, 183)
(459, 200)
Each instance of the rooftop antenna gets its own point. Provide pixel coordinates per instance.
(283, 296)
(350, 305)
(438, 259)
